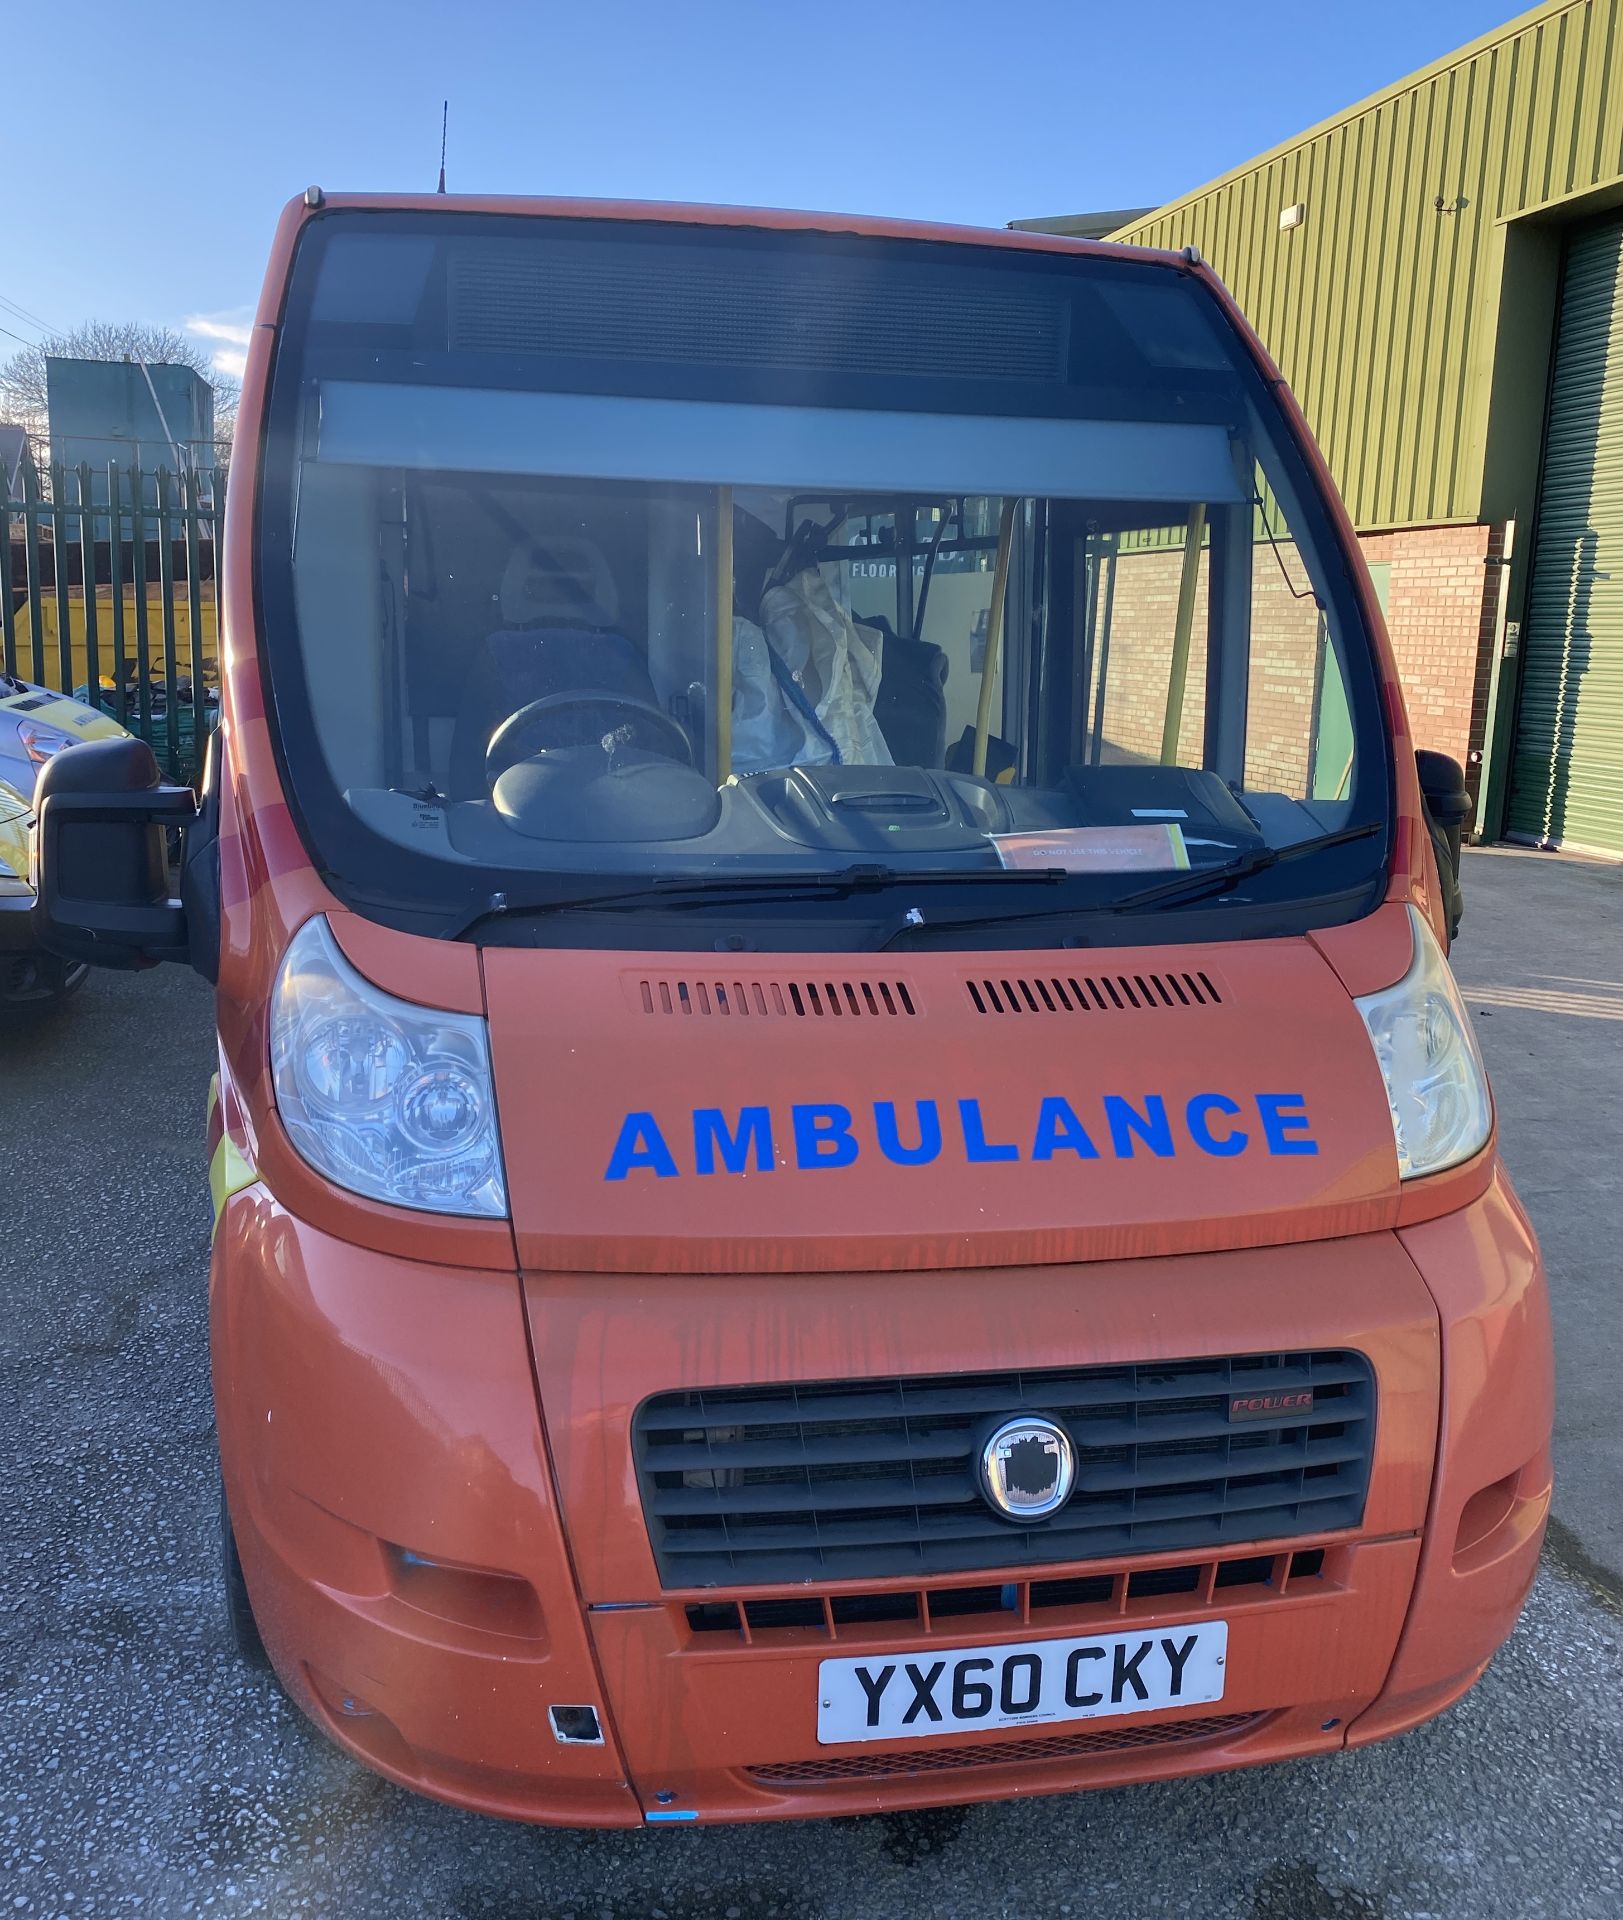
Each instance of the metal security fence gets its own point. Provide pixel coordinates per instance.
(110, 595)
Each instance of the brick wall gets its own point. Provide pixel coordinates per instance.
(1143, 615)
(1284, 631)
(1442, 601)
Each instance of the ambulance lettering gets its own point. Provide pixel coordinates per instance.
(824, 1136)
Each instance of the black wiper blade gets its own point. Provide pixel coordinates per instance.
(687, 890)
(916, 923)
(1186, 885)
(1192, 886)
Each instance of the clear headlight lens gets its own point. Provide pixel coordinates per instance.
(1436, 1085)
(391, 1100)
(38, 742)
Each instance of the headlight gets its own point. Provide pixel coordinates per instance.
(1436, 1085)
(39, 743)
(391, 1100)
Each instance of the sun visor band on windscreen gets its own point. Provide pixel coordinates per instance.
(711, 443)
(690, 307)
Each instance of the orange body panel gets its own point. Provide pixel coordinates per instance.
(429, 973)
(371, 1406)
(1298, 1665)
(688, 1044)
(1491, 1496)
(425, 1422)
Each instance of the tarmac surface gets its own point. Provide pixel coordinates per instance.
(143, 1770)
(1540, 962)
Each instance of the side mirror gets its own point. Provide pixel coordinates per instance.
(1448, 807)
(102, 821)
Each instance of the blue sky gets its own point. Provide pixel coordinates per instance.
(142, 165)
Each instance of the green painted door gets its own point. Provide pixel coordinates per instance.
(1567, 777)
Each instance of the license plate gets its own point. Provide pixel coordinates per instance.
(902, 1696)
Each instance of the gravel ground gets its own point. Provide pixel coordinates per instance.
(142, 1770)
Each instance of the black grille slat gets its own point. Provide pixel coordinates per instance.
(1196, 1426)
(783, 1494)
(1184, 1467)
(990, 1393)
(839, 1496)
(753, 1485)
(1016, 1553)
(968, 1526)
(837, 1450)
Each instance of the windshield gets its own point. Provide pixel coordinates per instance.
(610, 562)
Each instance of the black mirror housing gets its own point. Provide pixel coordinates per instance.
(1448, 806)
(102, 816)
(1442, 782)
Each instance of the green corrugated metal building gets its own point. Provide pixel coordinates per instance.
(1439, 272)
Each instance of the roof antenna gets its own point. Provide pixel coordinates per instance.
(445, 116)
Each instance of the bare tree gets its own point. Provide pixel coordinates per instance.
(22, 376)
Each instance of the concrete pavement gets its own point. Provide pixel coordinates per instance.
(1540, 961)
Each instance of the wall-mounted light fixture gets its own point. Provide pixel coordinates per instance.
(1291, 216)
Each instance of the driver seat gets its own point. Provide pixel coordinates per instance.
(517, 665)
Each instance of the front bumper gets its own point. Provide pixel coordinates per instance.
(433, 1570)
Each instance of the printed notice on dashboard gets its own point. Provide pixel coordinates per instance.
(1135, 849)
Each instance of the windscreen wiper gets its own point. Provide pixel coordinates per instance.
(686, 890)
(1191, 886)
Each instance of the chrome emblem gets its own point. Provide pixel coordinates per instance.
(1027, 1468)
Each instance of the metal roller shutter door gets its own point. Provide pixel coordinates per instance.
(1567, 779)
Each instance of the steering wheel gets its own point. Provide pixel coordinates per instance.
(602, 719)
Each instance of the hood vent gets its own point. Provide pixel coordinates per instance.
(777, 999)
(1094, 993)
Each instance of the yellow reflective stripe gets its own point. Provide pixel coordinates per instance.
(229, 1172)
(230, 1169)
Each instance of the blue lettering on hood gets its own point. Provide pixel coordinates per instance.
(825, 1136)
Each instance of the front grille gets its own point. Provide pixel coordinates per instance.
(871, 1479)
(1100, 1599)
(998, 1753)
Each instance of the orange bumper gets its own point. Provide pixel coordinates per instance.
(437, 1573)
